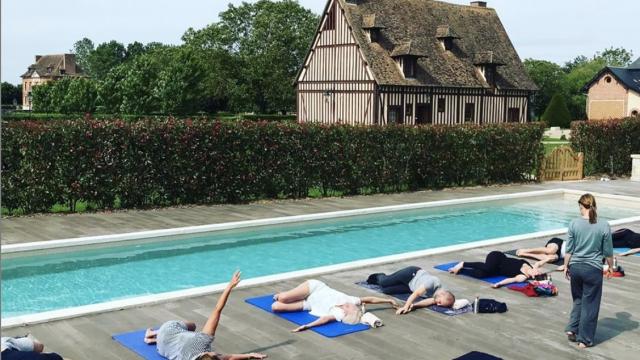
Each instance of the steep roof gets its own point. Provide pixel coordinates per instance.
(629, 76)
(54, 66)
(477, 32)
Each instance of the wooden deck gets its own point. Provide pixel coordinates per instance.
(531, 329)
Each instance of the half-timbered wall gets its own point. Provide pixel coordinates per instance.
(335, 85)
(450, 106)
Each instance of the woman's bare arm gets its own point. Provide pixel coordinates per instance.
(212, 323)
(517, 278)
(320, 321)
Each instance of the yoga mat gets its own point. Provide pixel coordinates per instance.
(476, 355)
(492, 279)
(404, 297)
(134, 341)
(330, 330)
(513, 253)
(622, 250)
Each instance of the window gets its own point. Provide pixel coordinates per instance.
(409, 67)
(330, 24)
(608, 79)
(469, 112)
(442, 105)
(490, 75)
(447, 43)
(423, 114)
(395, 115)
(374, 35)
(634, 113)
(408, 110)
(513, 115)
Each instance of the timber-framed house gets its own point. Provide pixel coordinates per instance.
(412, 62)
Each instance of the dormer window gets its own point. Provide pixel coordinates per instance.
(406, 56)
(487, 63)
(409, 66)
(445, 35)
(372, 26)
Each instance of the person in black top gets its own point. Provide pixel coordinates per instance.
(498, 264)
(553, 251)
(625, 238)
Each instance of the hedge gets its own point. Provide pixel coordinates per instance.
(607, 145)
(160, 163)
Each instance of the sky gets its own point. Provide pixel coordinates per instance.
(555, 30)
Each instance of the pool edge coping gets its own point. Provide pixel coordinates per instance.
(115, 305)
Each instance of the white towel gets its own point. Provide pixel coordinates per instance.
(460, 303)
(371, 320)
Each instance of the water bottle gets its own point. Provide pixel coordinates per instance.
(615, 263)
(549, 278)
(475, 305)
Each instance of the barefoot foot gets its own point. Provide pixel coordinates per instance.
(456, 269)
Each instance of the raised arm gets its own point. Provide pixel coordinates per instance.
(212, 323)
(243, 356)
(320, 321)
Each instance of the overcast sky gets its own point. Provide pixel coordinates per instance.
(542, 29)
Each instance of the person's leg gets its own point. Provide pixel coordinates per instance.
(528, 252)
(396, 289)
(294, 295)
(287, 307)
(576, 294)
(29, 355)
(490, 267)
(592, 294)
(400, 277)
(150, 336)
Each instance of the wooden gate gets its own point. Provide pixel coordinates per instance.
(562, 164)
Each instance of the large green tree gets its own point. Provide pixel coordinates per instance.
(267, 42)
(549, 78)
(83, 50)
(106, 57)
(80, 96)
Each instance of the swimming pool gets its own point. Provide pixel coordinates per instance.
(59, 279)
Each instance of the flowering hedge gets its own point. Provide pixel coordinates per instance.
(607, 145)
(159, 163)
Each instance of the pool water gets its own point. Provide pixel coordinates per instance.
(37, 283)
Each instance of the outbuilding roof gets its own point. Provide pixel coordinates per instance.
(628, 76)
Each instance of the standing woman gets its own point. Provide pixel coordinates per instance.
(589, 240)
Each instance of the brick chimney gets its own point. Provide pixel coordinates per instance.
(482, 4)
(38, 57)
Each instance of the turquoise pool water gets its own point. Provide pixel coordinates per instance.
(37, 283)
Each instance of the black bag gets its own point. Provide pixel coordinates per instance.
(487, 306)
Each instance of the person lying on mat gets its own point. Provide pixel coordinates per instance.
(498, 264)
(416, 281)
(554, 250)
(325, 303)
(625, 238)
(25, 348)
(178, 340)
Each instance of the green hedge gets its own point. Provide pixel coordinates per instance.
(607, 145)
(160, 163)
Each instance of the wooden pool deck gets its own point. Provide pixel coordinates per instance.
(531, 329)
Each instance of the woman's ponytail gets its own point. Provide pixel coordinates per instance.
(589, 202)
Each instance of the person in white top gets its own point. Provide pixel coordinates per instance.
(325, 303)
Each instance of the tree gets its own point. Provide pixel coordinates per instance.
(42, 98)
(266, 42)
(83, 50)
(577, 61)
(106, 57)
(80, 97)
(557, 113)
(549, 77)
(615, 57)
(134, 49)
(11, 93)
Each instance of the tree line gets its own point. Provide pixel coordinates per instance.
(245, 62)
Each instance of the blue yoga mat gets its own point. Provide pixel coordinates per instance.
(622, 250)
(134, 341)
(332, 329)
(492, 279)
(404, 297)
(476, 355)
